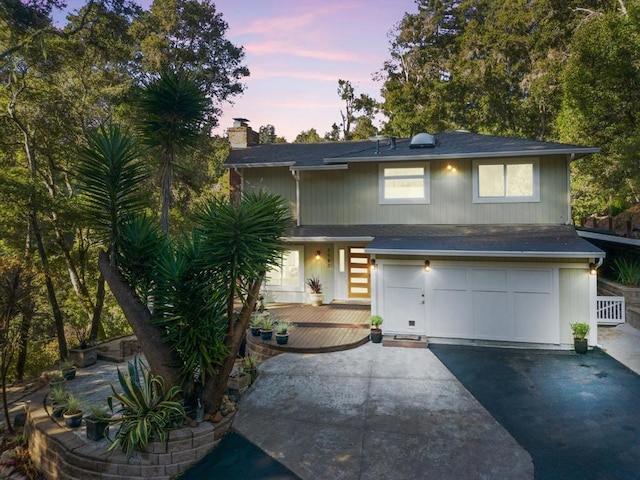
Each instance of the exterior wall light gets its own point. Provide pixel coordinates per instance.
(373, 264)
(427, 266)
(593, 268)
(318, 255)
(452, 168)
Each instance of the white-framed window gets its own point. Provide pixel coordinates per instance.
(404, 183)
(501, 181)
(288, 274)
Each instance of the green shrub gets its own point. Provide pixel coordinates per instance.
(146, 410)
(580, 330)
(627, 270)
(375, 321)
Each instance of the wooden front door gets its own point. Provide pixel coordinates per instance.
(358, 273)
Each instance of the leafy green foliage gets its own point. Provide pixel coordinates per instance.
(580, 330)
(375, 321)
(145, 411)
(627, 270)
(111, 177)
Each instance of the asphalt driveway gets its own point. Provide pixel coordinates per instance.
(578, 416)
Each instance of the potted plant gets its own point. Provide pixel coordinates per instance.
(250, 366)
(68, 369)
(73, 412)
(58, 400)
(282, 332)
(376, 332)
(56, 379)
(315, 287)
(84, 354)
(97, 422)
(266, 328)
(580, 332)
(255, 324)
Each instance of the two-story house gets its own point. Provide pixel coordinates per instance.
(456, 236)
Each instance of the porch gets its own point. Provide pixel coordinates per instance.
(327, 328)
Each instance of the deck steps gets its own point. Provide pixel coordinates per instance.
(405, 341)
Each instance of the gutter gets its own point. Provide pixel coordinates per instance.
(485, 253)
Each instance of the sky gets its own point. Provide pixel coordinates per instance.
(296, 50)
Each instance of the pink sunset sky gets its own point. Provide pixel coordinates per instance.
(296, 50)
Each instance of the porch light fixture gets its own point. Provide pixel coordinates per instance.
(373, 264)
(593, 268)
(427, 266)
(318, 255)
(452, 168)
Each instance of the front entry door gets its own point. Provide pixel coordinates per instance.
(358, 273)
(404, 300)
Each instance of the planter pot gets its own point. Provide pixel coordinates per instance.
(57, 410)
(255, 331)
(266, 334)
(96, 428)
(73, 420)
(239, 383)
(376, 335)
(59, 383)
(69, 374)
(316, 299)
(83, 357)
(581, 346)
(282, 339)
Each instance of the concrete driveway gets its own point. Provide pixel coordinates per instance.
(375, 413)
(577, 415)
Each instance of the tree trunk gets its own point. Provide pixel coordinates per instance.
(96, 324)
(151, 337)
(216, 387)
(51, 292)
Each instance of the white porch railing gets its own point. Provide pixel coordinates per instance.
(610, 310)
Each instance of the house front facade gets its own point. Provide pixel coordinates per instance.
(456, 236)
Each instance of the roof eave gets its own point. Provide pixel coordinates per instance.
(577, 152)
(485, 253)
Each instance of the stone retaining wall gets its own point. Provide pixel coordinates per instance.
(64, 454)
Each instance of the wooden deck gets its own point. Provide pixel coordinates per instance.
(327, 328)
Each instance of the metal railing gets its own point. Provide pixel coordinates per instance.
(610, 310)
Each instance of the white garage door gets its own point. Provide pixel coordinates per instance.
(509, 304)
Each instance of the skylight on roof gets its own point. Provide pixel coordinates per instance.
(423, 140)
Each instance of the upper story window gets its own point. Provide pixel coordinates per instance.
(506, 181)
(404, 183)
(287, 274)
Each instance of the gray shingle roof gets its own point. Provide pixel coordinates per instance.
(448, 145)
(458, 240)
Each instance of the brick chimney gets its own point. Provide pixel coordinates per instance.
(241, 135)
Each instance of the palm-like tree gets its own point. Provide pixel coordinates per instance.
(172, 113)
(111, 177)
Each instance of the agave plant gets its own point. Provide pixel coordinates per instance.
(146, 410)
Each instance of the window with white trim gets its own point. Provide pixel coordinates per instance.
(506, 181)
(404, 183)
(287, 274)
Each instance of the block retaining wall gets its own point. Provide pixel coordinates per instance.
(62, 454)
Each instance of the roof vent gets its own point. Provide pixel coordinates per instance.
(423, 140)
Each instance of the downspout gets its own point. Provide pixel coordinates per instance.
(569, 221)
(296, 175)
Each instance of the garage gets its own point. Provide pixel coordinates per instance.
(454, 300)
(516, 304)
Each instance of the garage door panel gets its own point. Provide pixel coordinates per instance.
(491, 315)
(534, 319)
(489, 280)
(449, 278)
(451, 314)
(530, 281)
